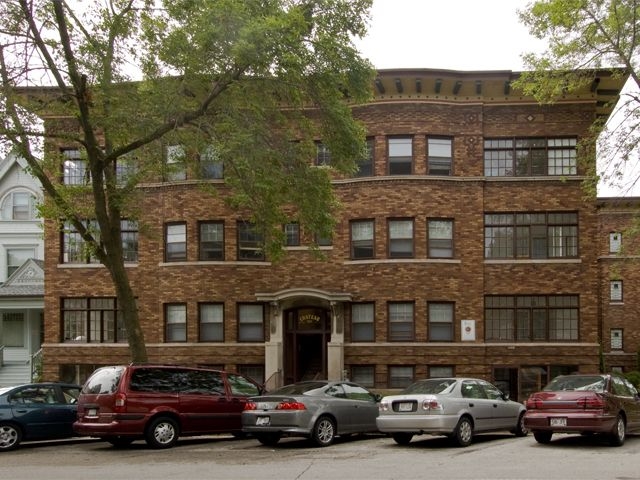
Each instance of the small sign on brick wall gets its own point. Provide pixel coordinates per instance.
(468, 329)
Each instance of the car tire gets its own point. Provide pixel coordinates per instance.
(521, 430)
(324, 431)
(10, 436)
(268, 439)
(543, 437)
(618, 433)
(162, 432)
(402, 438)
(119, 442)
(463, 434)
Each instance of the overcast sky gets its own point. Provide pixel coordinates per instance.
(455, 35)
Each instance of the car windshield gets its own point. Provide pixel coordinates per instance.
(298, 388)
(593, 383)
(432, 386)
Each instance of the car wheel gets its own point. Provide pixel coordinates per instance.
(119, 442)
(402, 438)
(10, 436)
(268, 439)
(619, 432)
(324, 432)
(521, 430)
(463, 433)
(162, 432)
(542, 437)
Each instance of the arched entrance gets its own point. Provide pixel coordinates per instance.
(307, 331)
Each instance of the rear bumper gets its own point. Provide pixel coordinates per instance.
(575, 423)
(115, 427)
(443, 424)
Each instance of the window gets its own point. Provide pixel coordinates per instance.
(441, 322)
(401, 325)
(323, 241)
(16, 257)
(365, 164)
(211, 165)
(126, 168)
(616, 290)
(401, 238)
(531, 235)
(440, 241)
(361, 239)
(616, 339)
(92, 320)
(439, 156)
(129, 235)
(440, 371)
(250, 323)
(400, 376)
(323, 155)
(292, 234)
(211, 246)
(13, 334)
(533, 318)
(175, 322)
(19, 205)
(175, 168)
(363, 375)
(76, 250)
(400, 155)
(175, 242)
(362, 322)
(75, 170)
(615, 242)
(529, 157)
(254, 372)
(211, 322)
(250, 242)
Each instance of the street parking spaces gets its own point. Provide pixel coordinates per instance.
(496, 456)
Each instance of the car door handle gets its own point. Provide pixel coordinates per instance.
(472, 405)
(495, 405)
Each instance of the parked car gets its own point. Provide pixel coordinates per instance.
(456, 407)
(600, 403)
(160, 403)
(37, 411)
(319, 410)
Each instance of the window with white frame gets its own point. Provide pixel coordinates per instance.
(362, 322)
(19, 205)
(175, 242)
(401, 322)
(616, 290)
(211, 322)
(400, 155)
(13, 332)
(401, 238)
(440, 322)
(616, 339)
(362, 236)
(75, 168)
(615, 242)
(176, 322)
(440, 241)
(17, 256)
(401, 376)
(250, 323)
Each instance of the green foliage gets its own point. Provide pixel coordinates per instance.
(634, 377)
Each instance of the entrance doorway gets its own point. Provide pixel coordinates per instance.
(307, 330)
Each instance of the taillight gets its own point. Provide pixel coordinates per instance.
(291, 406)
(591, 403)
(120, 402)
(533, 403)
(250, 406)
(431, 404)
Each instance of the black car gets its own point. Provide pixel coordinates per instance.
(37, 411)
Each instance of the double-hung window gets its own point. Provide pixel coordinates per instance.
(439, 156)
(250, 242)
(400, 155)
(292, 234)
(401, 238)
(175, 166)
(19, 205)
(401, 322)
(211, 165)
(250, 322)
(440, 241)
(365, 164)
(441, 322)
(175, 242)
(75, 168)
(17, 256)
(176, 322)
(362, 322)
(323, 154)
(211, 241)
(362, 236)
(211, 322)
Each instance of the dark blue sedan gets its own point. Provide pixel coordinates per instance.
(37, 411)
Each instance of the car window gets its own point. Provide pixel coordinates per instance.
(103, 381)
(200, 382)
(355, 392)
(299, 388)
(432, 386)
(595, 383)
(336, 391)
(620, 387)
(70, 394)
(242, 386)
(492, 392)
(154, 379)
(34, 395)
(471, 389)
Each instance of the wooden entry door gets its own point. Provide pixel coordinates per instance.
(307, 331)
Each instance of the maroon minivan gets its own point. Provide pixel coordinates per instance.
(160, 403)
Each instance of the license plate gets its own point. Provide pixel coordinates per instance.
(263, 421)
(558, 422)
(405, 407)
(92, 412)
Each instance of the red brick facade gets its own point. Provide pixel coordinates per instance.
(301, 280)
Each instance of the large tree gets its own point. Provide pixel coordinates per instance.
(247, 83)
(583, 35)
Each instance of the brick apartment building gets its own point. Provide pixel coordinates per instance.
(464, 247)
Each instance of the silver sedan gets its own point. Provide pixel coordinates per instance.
(319, 410)
(455, 407)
